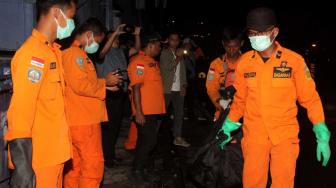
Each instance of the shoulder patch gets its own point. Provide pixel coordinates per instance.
(80, 62)
(37, 62)
(211, 75)
(34, 75)
(307, 73)
(140, 69)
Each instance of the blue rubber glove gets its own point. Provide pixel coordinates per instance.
(322, 137)
(228, 127)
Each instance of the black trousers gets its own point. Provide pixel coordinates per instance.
(117, 104)
(146, 142)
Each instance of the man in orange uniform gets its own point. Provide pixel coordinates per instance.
(38, 135)
(269, 81)
(85, 106)
(222, 69)
(147, 102)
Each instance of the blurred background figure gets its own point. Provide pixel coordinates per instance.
(173, 71)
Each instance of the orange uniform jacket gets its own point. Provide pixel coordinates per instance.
(267, 93)
(219, 72)
(85, 93)
(37, 106)
(145, 70)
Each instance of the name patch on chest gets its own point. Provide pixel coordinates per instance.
(282, 72)
(250, 74)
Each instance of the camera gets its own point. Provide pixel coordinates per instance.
(122, 73)
(227, 92)
(129, 29)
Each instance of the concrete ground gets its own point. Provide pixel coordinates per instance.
(309, 173)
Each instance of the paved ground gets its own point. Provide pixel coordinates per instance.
(309, 172)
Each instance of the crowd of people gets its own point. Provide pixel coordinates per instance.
(67, 108)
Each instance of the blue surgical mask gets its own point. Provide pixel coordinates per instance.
(93, 47)
(64, 32)
(261, 43)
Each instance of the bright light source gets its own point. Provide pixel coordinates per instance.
(173, 21)
(313, 45)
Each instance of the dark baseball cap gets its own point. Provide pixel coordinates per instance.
(260, 19)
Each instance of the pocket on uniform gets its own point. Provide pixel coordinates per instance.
(50, 85)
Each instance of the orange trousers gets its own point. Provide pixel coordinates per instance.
(86, 168)
(50, 177)
(280, 158)
(131, 140)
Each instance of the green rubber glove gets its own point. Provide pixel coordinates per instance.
(322, 137)
(228, 127)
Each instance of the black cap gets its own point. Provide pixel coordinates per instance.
(260, 19)
(149, 37)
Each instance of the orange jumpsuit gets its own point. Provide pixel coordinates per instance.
(37, 107)
(266, 96)
(221, 73)
(85, 109)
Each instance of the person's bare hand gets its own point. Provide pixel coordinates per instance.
(114, 88)
(140, 118)
(137, 31)
(183, 91)
(179, 52)
(113, 79)
(120, 29)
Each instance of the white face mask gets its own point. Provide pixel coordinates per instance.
(93, 47)
(64, 32)
(261, 43)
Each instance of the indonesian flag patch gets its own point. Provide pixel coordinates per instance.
(211, 73)
(140, 69)
(37, 62)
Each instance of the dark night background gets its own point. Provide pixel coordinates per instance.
(301, 24)
(306, 27)
(300, 27)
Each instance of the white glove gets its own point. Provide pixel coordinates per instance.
(224, 103)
